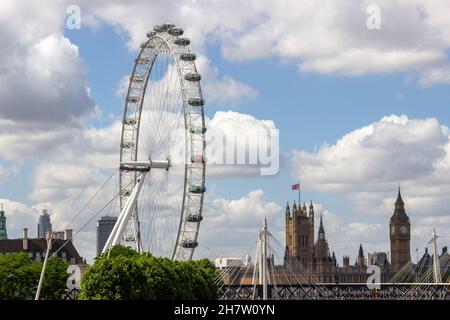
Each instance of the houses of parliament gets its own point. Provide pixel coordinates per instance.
(308, 259)
(314, 254)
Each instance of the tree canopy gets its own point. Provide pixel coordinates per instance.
(125, 274)
(19, 277)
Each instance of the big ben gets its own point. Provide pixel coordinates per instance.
(400, 235)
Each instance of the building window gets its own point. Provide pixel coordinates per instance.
(63, 254)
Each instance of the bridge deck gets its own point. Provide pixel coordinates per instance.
(341, 291)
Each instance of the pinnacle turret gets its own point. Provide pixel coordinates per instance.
(3, 231)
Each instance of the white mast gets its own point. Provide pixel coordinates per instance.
(436, 266)
(264, 259)
(44, 266)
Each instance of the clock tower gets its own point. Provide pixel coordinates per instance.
(400, 235)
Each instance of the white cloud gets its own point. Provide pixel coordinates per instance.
(223, 91)
(242, 213)
(122, 87)
(362, 61)
(19, 216)
(44, 95)
(326, 37)
(242, 141)
(392, 150)
(372, 235)
(42, 74)
(435, 76)
(230, 226)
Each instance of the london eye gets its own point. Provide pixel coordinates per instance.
(162, 150)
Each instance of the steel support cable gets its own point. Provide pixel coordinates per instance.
(91, 198)
(87, 223)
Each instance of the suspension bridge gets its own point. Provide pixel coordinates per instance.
(279, 277)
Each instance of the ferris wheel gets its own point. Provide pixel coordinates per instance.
(162, 150)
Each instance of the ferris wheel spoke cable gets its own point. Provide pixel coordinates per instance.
(160, 104)
(164, 123)
(149, 195)
(164, 220)
(154, 208)
(158, 211)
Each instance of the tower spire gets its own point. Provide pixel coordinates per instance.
(399, 211)
(321, 228)
(399, 197)
(311, 210)
(321, 222)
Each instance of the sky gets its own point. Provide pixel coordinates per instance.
(360, 110)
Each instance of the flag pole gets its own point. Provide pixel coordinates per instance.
(299, 186)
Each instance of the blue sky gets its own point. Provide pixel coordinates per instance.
(309, 109)
(312, 101)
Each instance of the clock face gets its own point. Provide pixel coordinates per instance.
(403, 229)
(392, 230)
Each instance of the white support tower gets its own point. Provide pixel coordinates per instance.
(262, 261)
(436, 266)
(49, 237)
(118, 230)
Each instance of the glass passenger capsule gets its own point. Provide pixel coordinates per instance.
(192, 76)
(175, 32)
(197, 188)
(196, 102)
(187, 56)
(182, 41)
(189, 244)
(194, 218)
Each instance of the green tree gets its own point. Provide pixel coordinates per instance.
(19, 277)
(125, 274)
(113, 278)
(122, 251)
(55, 279)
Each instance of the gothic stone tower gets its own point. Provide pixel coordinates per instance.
(300, 233)
(400, 235)
(322, 250)
(324, 263)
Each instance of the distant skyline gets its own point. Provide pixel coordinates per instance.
(359, 112)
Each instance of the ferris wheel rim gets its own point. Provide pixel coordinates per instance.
(186, 237)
